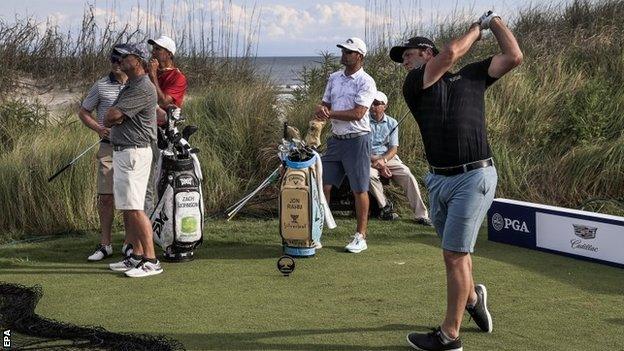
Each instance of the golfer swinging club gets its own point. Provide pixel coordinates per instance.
(450, 111)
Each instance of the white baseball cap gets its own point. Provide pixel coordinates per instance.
(354, 44)
(381, 97)
(164, 42)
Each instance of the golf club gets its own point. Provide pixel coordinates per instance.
(395, 127)
(72, 162)
(241, 203)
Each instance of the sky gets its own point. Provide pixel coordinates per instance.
(268, 27)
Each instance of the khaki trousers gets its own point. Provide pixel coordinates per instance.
(402, 175)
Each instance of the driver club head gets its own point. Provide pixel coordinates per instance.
(176, 138)
(188, 131)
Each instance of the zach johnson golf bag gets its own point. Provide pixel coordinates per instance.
(178, 217)
(302, 204)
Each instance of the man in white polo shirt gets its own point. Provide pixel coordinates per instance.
(348, 95)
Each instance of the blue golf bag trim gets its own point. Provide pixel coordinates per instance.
(301, 213)
(300, 164)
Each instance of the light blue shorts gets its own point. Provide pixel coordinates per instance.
(458, 204)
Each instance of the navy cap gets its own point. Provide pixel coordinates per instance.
(396, 53)
(139, 50)
(115, 54)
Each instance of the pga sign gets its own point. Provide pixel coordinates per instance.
(499, 223)
(580, 234)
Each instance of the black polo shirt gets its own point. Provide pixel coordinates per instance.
(451, 113)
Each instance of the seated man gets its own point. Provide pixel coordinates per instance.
(386, 163)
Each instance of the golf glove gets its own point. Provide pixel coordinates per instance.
(485, 19)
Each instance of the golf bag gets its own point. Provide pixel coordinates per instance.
(301, 212)
(302, 205)
(178, 217)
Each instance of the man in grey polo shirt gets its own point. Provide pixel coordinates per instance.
(100, 98)
(348, 95)
(132, 119)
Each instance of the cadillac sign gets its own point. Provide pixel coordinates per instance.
(584, 231)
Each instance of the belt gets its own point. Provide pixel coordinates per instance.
(466, 167)
(123, 147)
(349, 135)
(105, 141)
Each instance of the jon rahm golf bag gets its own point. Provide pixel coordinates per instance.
(302, 205)
(178, 217)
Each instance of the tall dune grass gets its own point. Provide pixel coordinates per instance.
(238, 132)
(556, 122)
(210, 44)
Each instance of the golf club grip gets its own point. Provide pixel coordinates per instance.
(59, 172)
(285, 130)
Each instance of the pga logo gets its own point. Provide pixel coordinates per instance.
(499, 222)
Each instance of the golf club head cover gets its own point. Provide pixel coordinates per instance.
(292, 133)
(313, 138)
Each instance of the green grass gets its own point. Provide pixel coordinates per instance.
(233, 298)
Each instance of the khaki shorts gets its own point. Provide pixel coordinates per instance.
(105, 169)
(132, 169)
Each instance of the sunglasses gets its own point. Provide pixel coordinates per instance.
(377, 103)
(347, 52)
(115, 59)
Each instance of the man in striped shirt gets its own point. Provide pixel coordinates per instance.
(99, 99)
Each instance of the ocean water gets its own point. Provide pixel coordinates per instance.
(284, 71)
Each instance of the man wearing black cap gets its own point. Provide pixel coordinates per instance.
(450, 111)
(132, 120)
(99, 99)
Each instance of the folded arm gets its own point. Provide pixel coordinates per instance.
(113, 116)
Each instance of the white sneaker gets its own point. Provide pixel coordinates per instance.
(126, 250)
(145, 269)
(357, 245)
(101, 252)
(124, 265)
(318, 245)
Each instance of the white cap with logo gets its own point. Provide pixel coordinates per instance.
(381, 97)
(354, 44)
(164, 42)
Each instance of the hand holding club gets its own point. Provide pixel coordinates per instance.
(484, 20)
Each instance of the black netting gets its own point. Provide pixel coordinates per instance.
(33, 332)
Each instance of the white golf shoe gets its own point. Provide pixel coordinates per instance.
(145, 269)
(125, 265)
(101, 252)
(126, 250)
(357, 245)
